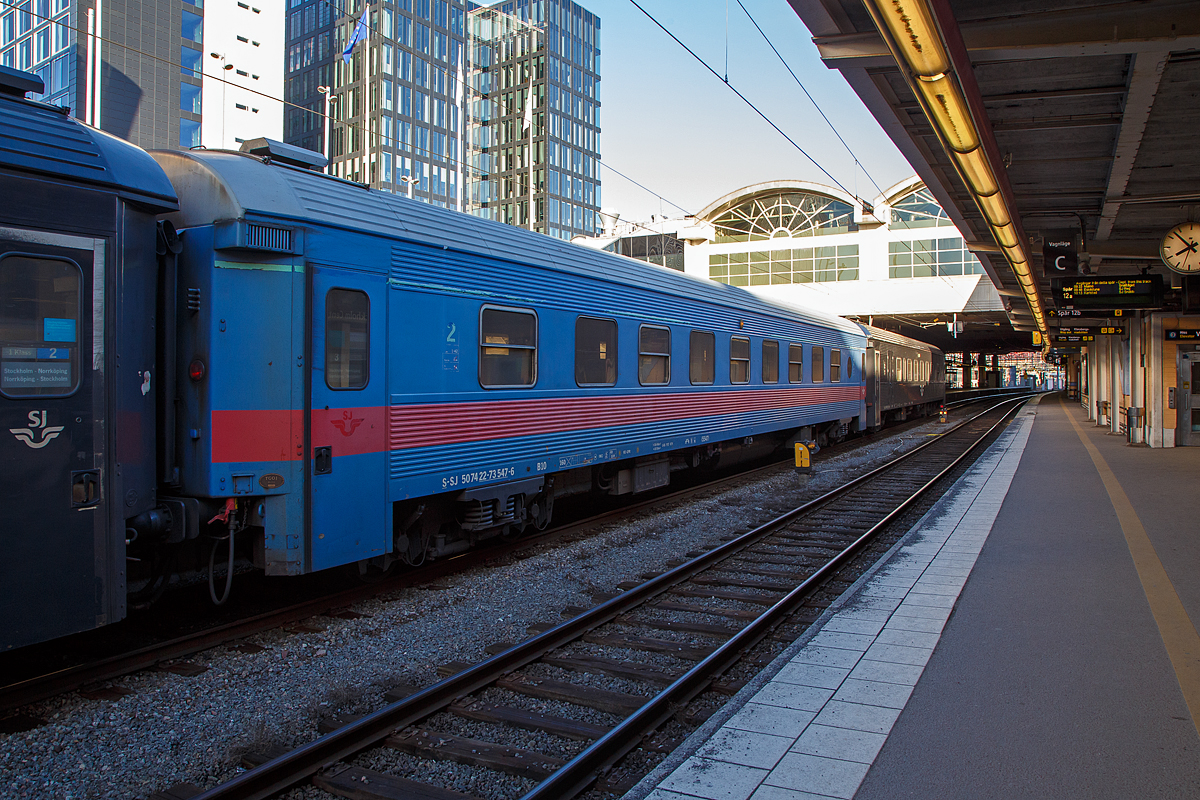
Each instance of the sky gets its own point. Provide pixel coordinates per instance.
(674, 127)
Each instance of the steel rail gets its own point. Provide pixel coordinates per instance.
(578, 774)
(283, 772)
(42, 687)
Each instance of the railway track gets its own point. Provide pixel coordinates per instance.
(599, 697)
(170, 653)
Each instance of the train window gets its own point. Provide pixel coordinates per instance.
(739, 360)
(595, 351)
(770, 361)
(835, 365)
(702, 357)
(507, 348)
(654, 356)
(849, 366)
(818, 365)
(40, 326)
(347, 345)
(795, 363)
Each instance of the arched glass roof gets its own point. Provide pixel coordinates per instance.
(783, 214)
(918, 210)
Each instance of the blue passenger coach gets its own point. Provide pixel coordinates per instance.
(213, 352)
(381, 378)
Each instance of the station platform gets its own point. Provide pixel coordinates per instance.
(1031, 636)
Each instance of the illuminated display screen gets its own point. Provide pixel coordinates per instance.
(1129, 291)
(1093, 330)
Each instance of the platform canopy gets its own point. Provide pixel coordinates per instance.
(1035, 122)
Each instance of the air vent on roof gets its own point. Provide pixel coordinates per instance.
(17, 83)
(260, 237)
(238, 234)
(285, 153)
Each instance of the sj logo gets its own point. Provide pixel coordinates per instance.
(38, 434)
(347, 424)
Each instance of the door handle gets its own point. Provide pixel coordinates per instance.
(322, 460)
(85, 488)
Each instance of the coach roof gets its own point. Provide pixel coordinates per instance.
(221, 185)
(42, 139)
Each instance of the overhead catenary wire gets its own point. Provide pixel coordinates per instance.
(743, 98)
(816, 105)
(428, 154)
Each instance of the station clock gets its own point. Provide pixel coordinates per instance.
(1180, 248)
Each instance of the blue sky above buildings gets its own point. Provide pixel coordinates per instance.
(672, 126)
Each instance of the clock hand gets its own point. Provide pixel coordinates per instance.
(1191, 248)
(1185, 241)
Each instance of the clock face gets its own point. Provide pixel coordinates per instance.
(1180, 248)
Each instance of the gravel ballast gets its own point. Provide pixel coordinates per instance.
(174, 729)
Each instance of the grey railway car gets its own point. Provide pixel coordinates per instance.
(78, 289)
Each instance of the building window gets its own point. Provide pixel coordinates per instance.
(770, 361)
(769, 267)
(190, 62)
(347, 343)
(918, 210)
(739, 360)
(929, 258)
(595, 351)
(702, 357)
(507, 348)
(189, 133)
(192, 27)
(189, 98)
(786, 214)
(654, 356)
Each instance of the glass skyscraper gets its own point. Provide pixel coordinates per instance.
(489, 109)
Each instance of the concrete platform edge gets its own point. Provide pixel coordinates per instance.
(1016, 434)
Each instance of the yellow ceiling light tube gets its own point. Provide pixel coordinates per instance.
(975, 168)
(915, 33)
(1006, 235)
(911, 29)
(994, 210)
(949, 109)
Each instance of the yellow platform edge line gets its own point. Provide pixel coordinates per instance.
(1174, 626)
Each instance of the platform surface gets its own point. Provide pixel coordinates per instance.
(1031, 637)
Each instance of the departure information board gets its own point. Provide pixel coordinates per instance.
(1127, 291)
(1076, 314)
(1093, 330)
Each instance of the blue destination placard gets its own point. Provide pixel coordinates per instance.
(32, 375)
(53, 353)
(58, 330)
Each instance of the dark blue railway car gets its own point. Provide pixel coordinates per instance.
(373, 378)
(77, 363)
(904, 377)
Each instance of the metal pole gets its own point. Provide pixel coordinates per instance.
(328, 148)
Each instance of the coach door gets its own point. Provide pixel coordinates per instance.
(348, 519)
(52, 476)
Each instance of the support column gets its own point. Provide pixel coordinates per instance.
(1118, 391)
(1137, 380)
(1160, 434)
(966, 369)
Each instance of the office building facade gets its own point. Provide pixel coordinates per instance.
(145, 71)
(492, 110)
